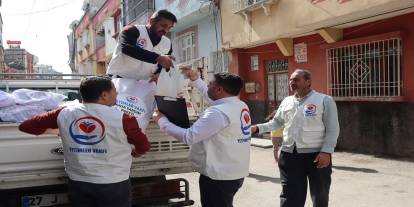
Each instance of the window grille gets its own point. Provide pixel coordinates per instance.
(254, 62)
(135, 9)
(274, 66)
(365, 70)
(277, 79)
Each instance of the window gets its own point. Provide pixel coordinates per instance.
(100, 37)
(277, 79)
(366, 70)
(186, 46)
(85, 39)
(254, 62)
(135, 9)
(219, 62)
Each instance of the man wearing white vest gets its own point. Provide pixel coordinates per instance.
(143, 49)
(98, 141)
(311, 130)
(219, 139)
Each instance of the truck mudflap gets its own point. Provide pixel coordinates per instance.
(157, 191)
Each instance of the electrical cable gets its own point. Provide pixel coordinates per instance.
(43, 11)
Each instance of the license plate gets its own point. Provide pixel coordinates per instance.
(44, 200)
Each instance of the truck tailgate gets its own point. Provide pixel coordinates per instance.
(27, 160)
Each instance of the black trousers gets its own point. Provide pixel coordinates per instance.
(296, 169)
(83, 194)
(218, 193)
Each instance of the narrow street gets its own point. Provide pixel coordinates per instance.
(358, 180)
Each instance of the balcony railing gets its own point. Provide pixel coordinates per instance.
(244, 6)
(136, 9)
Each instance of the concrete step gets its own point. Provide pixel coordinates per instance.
(260, 142)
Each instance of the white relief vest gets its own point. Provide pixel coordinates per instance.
(226, 155)
(96, 149)
(129, 67)
(303, 124)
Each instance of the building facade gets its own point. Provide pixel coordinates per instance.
(358, 52)
(196, 36)
(18, 60)
(2, 64)
(93, 37)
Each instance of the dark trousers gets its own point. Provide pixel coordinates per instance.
(218, 193)
(83, 194)
(295, 172)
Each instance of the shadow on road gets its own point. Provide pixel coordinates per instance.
(355, 169)
(262, 178)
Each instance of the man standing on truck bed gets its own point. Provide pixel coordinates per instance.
(219, 139)
(98, 141)
(143, 49)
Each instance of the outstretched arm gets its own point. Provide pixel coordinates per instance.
(198, 83)
(41, 123)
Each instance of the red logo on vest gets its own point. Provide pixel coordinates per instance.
(310, 110)
(141, 42)
(87, 130)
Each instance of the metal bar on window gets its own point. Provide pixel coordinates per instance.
(399, 67)
(387, 72)
(366, 74)
(347, 70)
(371, 69)
(393, 72)
(371, 57)
(384, 72)
(328, 69)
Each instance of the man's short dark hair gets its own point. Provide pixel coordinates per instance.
(231, 83)
(163, 13)
(92, 87)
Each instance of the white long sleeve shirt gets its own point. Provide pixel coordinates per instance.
(329, 118)
(210, 122)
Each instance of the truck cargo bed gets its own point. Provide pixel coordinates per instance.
(27, 160)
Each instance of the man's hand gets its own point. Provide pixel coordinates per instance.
(157, 115)
(276, 142)
(191, 74)
(154, 77)
(276, 153)
(166, 61)
(52, 131)
(323, 160)
(135, 154)
(254, 129)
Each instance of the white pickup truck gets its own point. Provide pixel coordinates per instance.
(32, 171)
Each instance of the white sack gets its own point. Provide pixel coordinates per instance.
(46, 100)
(19, 113)
(6, 99)
(170, 83)
(136, 97)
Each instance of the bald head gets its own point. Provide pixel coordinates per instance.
(306, 74)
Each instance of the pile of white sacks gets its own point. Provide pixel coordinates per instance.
(24, 104)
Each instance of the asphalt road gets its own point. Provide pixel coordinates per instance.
(357, 180)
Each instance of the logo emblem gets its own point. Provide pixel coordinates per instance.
(131, 105)
(132, 99)
(141, 42)
(245, 122)
(87, 130)
(310, 110)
